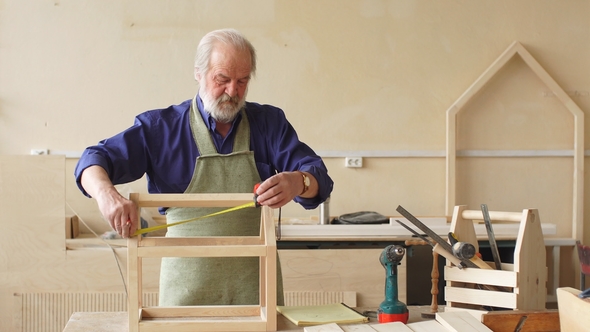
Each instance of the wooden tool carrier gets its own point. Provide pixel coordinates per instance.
(521, 285)
(260, 317)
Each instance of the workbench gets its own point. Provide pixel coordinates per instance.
(117, 321)
(315, 236)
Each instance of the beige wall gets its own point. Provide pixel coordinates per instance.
(362, 78)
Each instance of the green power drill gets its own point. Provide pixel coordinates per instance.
(392, 310)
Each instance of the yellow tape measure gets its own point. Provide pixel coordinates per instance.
(155, 228)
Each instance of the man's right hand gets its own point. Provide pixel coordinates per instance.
(120, 213)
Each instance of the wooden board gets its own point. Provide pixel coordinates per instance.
(480, 297)
(118, 322)
(332, 327)
(460, 321)
(531, 263)
(427, 326)
(357, 328)
(536, 321)
(33, 233)
(473, 312)
(391, 327)
(574, 313)
(340, 270)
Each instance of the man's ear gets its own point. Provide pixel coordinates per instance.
(197, 75)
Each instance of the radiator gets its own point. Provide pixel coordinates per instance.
(293, 298)
(49, 312)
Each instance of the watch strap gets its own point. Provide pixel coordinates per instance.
(305, 179)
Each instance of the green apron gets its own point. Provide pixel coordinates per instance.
(212, 280)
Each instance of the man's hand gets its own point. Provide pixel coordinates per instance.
(120, 213)
(280, 189)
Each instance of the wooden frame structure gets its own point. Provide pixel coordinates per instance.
(526, 277)
(260, 317)
(451, 155)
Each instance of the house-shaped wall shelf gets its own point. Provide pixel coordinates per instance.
(578, 156)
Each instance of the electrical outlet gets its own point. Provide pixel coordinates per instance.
(39, 152)
(353, 161)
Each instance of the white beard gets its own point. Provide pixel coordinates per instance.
(225, 108)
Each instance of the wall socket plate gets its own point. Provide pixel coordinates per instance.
(39, 152)
(353, 161)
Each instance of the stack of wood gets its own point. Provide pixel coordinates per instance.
(462, 321)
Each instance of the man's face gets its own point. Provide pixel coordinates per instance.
(225, 85)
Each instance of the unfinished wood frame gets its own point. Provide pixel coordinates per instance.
(526, 277)
(451, 155)
(260, 317)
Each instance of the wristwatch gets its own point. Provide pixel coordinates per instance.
(306, 182)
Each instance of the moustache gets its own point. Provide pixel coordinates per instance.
(226, 98)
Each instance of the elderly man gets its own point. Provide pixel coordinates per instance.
(215, 142)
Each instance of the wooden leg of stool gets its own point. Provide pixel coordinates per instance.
(434, 288)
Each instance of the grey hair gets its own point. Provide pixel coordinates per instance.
(227, 36)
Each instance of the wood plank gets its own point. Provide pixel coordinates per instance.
(193, 200)
(451, 159)
(199, 241)
(332, 327)
(391, 327)
(494, 215)
(530, 263)
(203, 251)
(33, 234)
(134, 277)
(475, 313)
(481, 297)
(485, 277)
(463, 228)
(239, 325)
(357, 328)
(574, 313)
(201, 311)
(117, 321)
(427, 326)
(438, 225)
(268, 270)
(339, 270)
(97, 322)
(536, 321)
(460, 321)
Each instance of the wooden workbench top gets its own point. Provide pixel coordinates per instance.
(117, 321)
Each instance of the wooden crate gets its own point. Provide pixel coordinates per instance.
(261, 317)
(521, 285)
